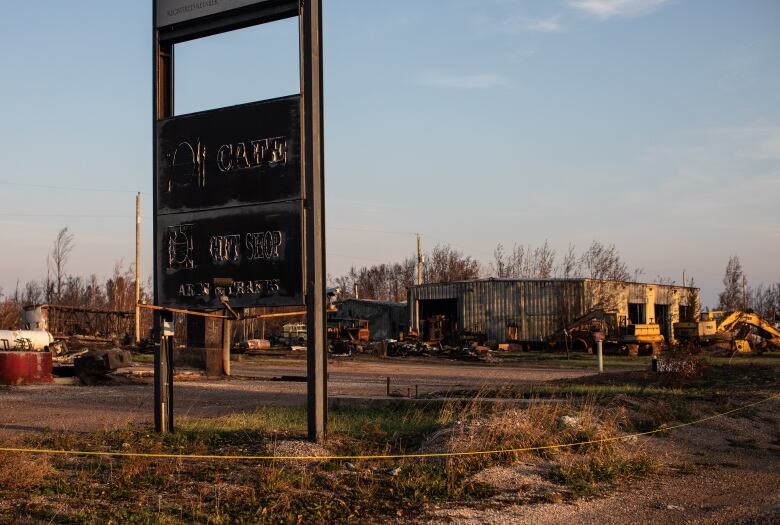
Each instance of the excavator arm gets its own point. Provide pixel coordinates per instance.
(735, 321)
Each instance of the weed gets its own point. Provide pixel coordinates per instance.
(583, 474)
(24, 471)
(748, 443)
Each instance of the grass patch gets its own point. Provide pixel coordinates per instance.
(583, 475)
(144, 490)
(143, 358)
(747, 443)
(579, 360)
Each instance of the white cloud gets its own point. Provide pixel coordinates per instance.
(604, 9)
(550, 24)
(474, 81)
(753, 142)
(518, 23)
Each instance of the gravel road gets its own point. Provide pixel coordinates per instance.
(88, 408)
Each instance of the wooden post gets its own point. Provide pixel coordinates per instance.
(227, 332)
(137, 268)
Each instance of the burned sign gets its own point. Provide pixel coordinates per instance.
(229, 207)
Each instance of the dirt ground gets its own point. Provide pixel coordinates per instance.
(724, 471)
(255, 383)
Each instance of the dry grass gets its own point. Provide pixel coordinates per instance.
(25, 471)
(147, 490)
(580, 467)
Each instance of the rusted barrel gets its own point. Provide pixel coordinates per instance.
(25, 368)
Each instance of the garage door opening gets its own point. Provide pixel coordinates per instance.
(438, 319)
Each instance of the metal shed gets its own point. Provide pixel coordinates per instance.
(532, 309)
(386, 320)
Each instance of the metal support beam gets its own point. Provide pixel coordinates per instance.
(312, 164)
(163, 378)
(162, 100)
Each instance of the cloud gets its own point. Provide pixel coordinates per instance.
(604, 9)
(551, 24)
(548, 24)
(753, 142)
(518, 23)
(454, 81)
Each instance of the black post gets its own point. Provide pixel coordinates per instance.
(312, 164)
(163, 378)
(162, 107)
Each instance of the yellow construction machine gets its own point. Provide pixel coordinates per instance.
(741, 323)
(737, 327)
(618, 333)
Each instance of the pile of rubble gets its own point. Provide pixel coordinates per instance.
(88, 363)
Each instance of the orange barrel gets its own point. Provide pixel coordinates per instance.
(25, 368)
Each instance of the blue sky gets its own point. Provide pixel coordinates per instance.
(654, 125)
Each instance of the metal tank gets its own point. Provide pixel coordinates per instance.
(25, 340)
(25, 368)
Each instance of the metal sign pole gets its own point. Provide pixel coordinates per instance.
(259, 144)
(312, 164)
(163, 377)
(162, 96)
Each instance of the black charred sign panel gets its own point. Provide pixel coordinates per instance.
(229, 207)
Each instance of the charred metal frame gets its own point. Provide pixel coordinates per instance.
(309, 13)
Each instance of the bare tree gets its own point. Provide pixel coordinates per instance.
(734, 282)
(543, 261)
(600, 261)
(568, 267)
(603, 264)
(56, 262)
(765, 300)
(9, 312)
(446, 264)
(384, 282)
(500, 265)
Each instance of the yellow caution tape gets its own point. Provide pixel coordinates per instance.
(161, 455)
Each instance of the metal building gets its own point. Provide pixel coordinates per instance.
(386, 320)
(529, 310)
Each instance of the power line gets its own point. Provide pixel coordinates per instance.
(356, 257)
(66, 216)
(369, 231)
(68, 188)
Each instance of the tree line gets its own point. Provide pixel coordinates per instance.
(389, 281)
(386, 281)
(737, 294)
(113, 293)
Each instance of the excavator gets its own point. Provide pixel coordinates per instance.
(741, 323)
(735, 327)
(615, 330)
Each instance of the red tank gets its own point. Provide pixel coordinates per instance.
(25, 368)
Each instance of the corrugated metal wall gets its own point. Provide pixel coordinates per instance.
(385, 320)
(538, 307)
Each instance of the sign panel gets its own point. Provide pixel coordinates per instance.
(229, 207)
(226, 157)
(177, 11)
(250, 254)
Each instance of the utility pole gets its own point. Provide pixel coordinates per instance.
(744, 292)
(137, 267)
(420, 260)
(683, 279)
